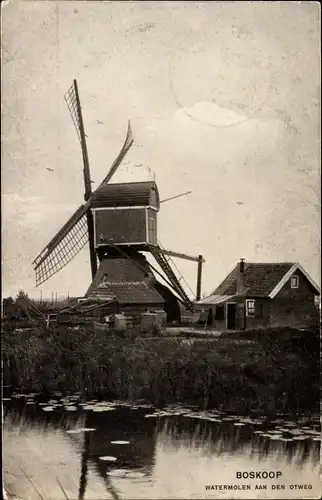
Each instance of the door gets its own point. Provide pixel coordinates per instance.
(231, 316)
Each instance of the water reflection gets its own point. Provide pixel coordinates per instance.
(228, 439)
(84, 467)
(168, 457)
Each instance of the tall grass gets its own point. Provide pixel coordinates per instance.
(266, 377)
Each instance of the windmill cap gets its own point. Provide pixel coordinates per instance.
(126, 194)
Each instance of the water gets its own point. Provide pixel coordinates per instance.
(121, 451)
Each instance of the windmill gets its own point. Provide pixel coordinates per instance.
(119, 222)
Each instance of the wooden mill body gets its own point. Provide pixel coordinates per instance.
(125, 215)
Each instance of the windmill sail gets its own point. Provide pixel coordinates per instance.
(70, 98)
(74, 106)
(118, 160)
(73, 236)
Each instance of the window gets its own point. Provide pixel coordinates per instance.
(250, 307)
(294, 282)
(220, 313)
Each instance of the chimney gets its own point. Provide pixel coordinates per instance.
(240, 278)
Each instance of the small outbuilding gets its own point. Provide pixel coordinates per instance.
(262, 295)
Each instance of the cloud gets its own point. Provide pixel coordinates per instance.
(243, 161)
(211, 114)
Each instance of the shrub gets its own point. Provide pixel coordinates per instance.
(278, 375)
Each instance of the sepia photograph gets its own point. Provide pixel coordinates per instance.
(161, 236)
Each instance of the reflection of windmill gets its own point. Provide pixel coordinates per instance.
(111, 427)
(84, 468)
(119, 221)
(83, 478)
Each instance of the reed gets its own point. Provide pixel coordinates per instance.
(266, 376)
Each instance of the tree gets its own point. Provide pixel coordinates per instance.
(7, 306)
(22, 295)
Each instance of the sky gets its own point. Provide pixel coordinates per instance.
(223, 98)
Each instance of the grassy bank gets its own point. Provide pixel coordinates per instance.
(267, 375)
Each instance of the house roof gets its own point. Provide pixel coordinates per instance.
(126, 194)
(214, 299)
(261, 279)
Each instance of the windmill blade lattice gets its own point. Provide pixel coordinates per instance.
(62, 252)
(71, 101)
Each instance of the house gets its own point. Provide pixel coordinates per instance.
(257, 295)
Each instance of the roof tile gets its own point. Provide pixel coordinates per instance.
(129, 292)
(126, 194)
(259, 279)
(128, 281)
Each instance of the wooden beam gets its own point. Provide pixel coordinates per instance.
(174, 197)
(199, 274)
(178, 255)
(87, 183)
(168, 283)
(86, 171)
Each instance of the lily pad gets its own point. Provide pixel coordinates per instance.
(238, 424)
(124, 473)
(103, 408)
(118, 472)
(47, 408)
(70, 408)
(120, 442)
(78, 431)
(108, 459)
